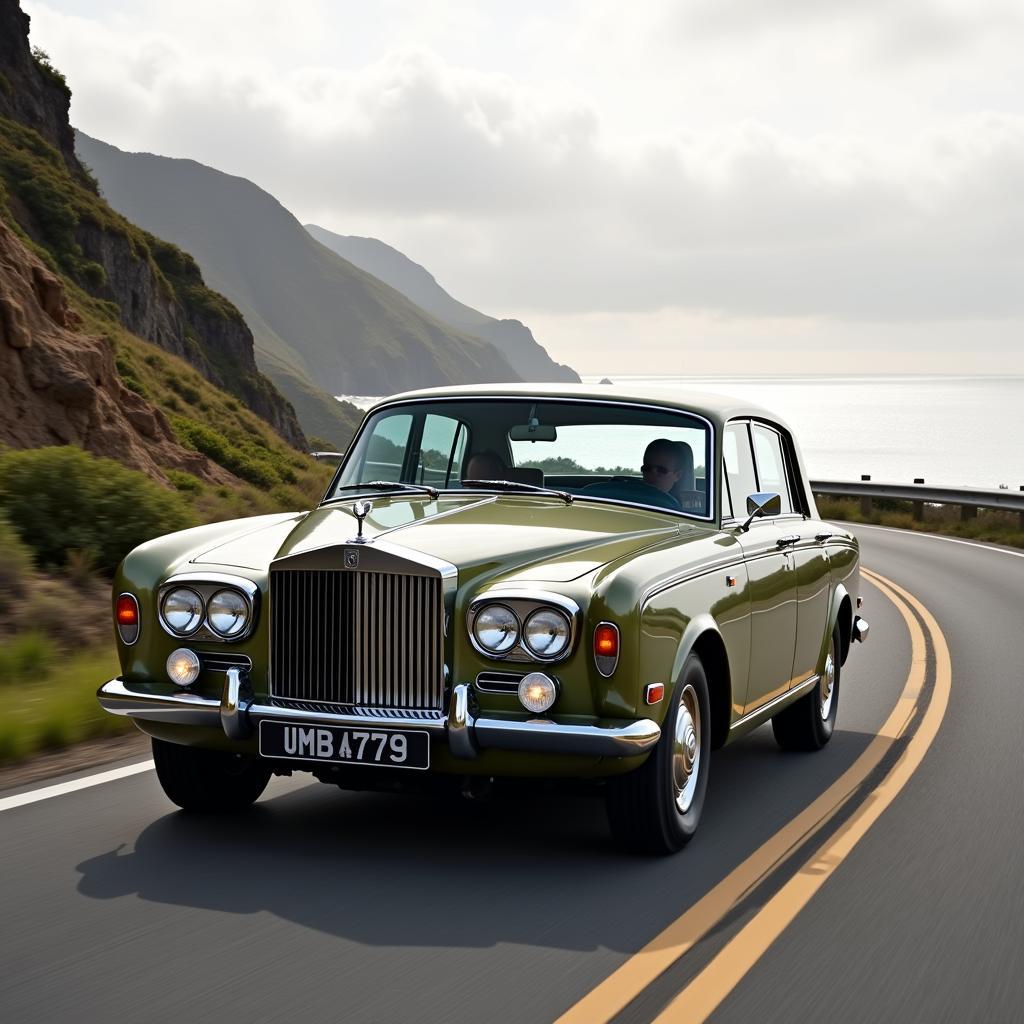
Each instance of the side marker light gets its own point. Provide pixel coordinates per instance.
(654, 692)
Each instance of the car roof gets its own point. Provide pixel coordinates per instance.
(715, 407)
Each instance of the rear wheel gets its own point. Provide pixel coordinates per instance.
(208, 780)
(807, 723)
(656, 809)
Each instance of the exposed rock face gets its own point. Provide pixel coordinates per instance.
(36, 99)
(59, 386)
(218, 343)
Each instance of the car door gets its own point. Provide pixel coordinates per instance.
(770, 575)
(805, 540)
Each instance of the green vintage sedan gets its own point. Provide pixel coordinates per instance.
(530, 581)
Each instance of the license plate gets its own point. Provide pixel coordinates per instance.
(343, 745)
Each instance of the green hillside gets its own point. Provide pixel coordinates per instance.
(311, 311)
(511, 337)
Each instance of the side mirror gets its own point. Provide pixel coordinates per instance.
(765, 503)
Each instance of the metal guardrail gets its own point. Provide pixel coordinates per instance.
(920, 494)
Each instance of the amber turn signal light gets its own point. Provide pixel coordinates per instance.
(606, 641)
(606, 648)
(126, 615)
(127, 611)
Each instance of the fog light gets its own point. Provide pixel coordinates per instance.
(183, 666)
(537, 692)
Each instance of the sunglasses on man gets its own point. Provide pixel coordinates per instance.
(651, 467)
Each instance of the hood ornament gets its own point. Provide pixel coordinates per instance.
(361, 509)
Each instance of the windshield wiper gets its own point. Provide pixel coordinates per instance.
(389, 485)
(515, 485)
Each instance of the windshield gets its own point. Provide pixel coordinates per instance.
(602, 451)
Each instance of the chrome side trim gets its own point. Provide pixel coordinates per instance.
(765, 710)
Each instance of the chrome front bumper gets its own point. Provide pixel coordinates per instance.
(238, 715)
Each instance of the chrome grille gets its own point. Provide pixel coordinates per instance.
(360, 639)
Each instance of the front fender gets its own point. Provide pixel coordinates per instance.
(840, 614)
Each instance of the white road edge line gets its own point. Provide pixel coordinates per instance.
(47, 792)
(931, 536)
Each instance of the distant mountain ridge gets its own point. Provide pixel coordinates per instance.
(511, 337)
(319, 321)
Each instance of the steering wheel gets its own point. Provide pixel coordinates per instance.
(633, 490)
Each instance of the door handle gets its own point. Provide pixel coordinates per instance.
(822, 537)
(788, 541)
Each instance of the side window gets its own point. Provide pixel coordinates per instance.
(386, 449)
(442, 447)
(771, 464)
(739, 465)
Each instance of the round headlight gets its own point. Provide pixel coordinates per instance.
(537, 692)
(182, 610)
(228, 613)
(496, 628)
(546, 633)
(183, 666)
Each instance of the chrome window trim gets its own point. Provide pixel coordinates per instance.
(536, 599)
(212, 582)
(712, 448)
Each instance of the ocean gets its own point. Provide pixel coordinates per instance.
(952, 431)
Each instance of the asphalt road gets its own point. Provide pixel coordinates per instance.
(320, 905)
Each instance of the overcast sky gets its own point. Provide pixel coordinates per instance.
(697, 186)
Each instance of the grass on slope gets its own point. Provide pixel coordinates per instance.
(50, 702)
(41, 192)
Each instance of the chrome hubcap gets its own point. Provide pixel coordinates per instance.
(686, 749)
(828, 681)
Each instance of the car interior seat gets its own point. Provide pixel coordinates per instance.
(685, 490)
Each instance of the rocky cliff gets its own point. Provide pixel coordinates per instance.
(155, 290)
(59, 385)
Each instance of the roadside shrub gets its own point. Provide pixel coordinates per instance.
(15, 565)
(28, 656)
(63, 499)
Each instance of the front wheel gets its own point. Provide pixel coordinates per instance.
(807, 723)
(657, 807)
(208, 780)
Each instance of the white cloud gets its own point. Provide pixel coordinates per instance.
(825, 163)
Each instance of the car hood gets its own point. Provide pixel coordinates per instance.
(518, 536)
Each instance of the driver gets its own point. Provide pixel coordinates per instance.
(663, 464)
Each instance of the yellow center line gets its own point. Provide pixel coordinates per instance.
(631, 978)
(706, 991)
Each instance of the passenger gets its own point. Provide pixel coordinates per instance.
(485, 465)
(664, 463)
